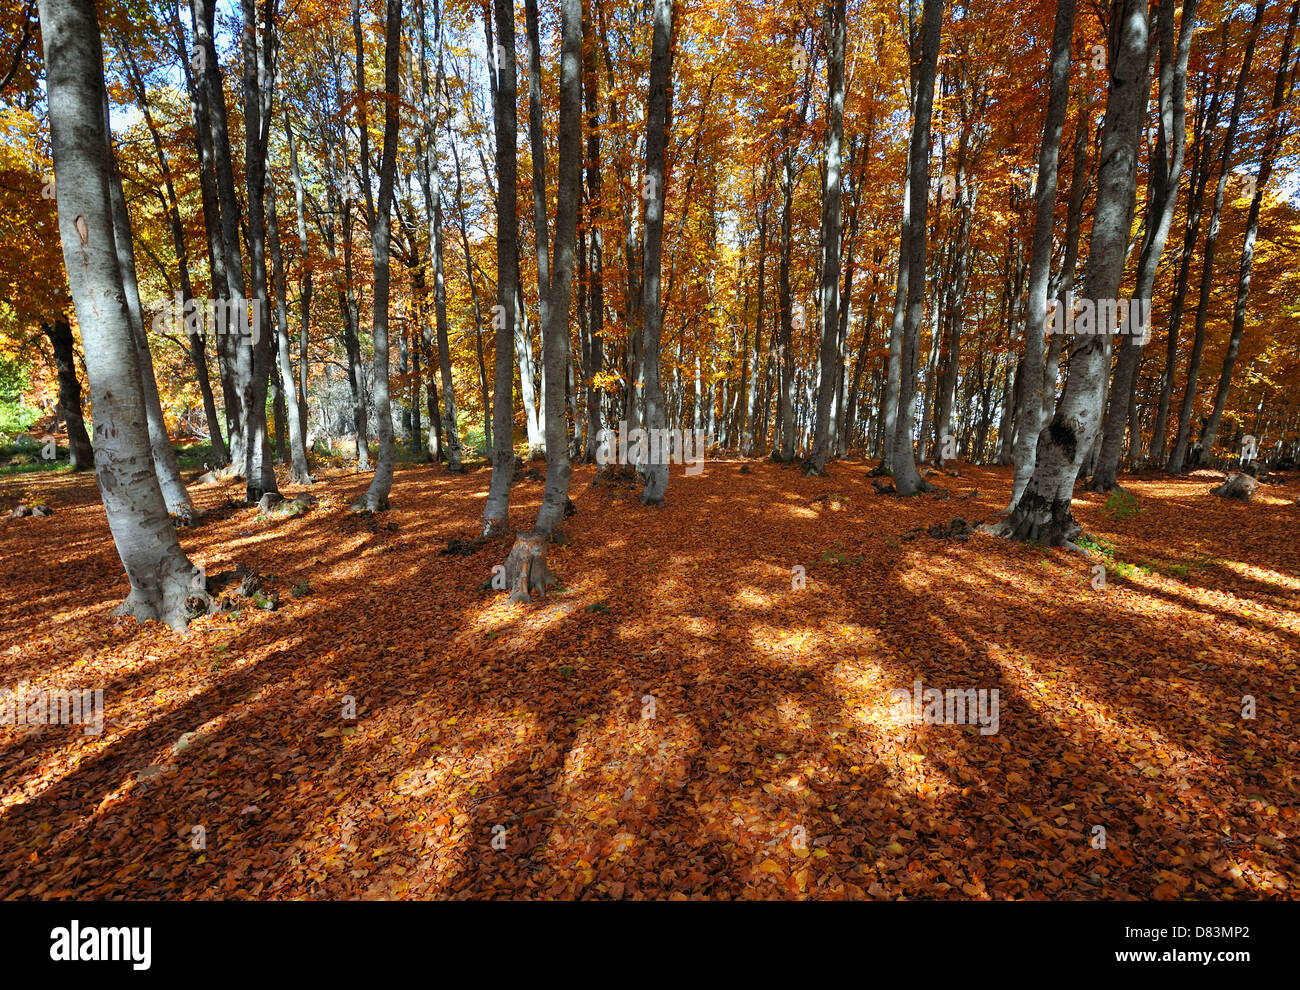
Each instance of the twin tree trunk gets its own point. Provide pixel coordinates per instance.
(1043, 512)
(1030, 404)
(161, 576)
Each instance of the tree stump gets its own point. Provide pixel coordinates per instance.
(1238, 486)
(527, 575)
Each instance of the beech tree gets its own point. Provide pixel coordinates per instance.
(657, 122)
(1029, 406)
(161, 576)
(907, 479)
(375, 498)
(1042, 513)
(496, 509)
(830, 281)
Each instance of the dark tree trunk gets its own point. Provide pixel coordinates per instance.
(59, 334)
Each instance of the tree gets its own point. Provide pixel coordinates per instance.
(1282, 86)
(555, 328)
(376, 497)
(1166, 173)
(1183, 438)
(1029, 404)
(906, 478)
(836, 30)
(657, 122)
(1042, 513)
(59, 333)
(496, 510)
(161, 576)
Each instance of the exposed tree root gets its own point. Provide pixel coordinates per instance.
(526, 574)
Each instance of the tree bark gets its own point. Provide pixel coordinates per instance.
(556, 347)
(376, 496)
(1043, 512)
(836, 30)
(80, 454)
(1281, 89)
(288, 393)
(1183, 438)
(496, 509)
(160, 445)
(1029, 408)
(657, 111)
(907, 481)
(1166, 174)
(161, 576)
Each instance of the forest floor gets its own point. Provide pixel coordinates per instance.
(677, 719)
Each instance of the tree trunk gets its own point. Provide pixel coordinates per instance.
(1280, 92)
(1029, 409)
(496, 509)
(1043, 512)
(305, 285)
(907, 480)
(556, 347)
(288, 393)
(376, 496)
(1179, 454)
(160, 445)
(595, 258)
(830, 288)
(258, 90)
(80, 454)
(161, 576)
(431, 182)
(223, 171)
(657, 112)
(193, 332)
(1166, 174)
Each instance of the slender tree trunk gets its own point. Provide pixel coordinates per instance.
(80, 454)
(1166, 173)
(906, 478)
(241, 356)
(595, 257)
(1183, 438)
(1281, 88)
(657, 123)
(289, 394)
(823, 437)
(160, 445)
(376, 497)
(431, 181)
(496, 509)
(258, 89)
(305, 283)
(194, 331)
